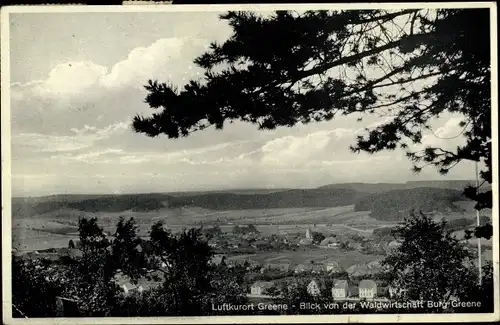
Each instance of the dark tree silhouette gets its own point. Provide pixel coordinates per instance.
(127, 252)
(89, 281)
(408, 66)
(71, 244)
(189, 287)
(92, 237)
(190, 283)
(318, 237)
(33, 295)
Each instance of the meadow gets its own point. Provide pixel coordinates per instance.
(56, 228)
(303, 256)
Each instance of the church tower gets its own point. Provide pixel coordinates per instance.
(309, 234)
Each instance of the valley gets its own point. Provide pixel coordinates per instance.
(49, 222)
(273, 235)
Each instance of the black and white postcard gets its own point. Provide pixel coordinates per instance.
(250, 163)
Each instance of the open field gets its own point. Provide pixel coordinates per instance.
(31, 240)
(195, 216)
(59, 226)
(345, 259)
(36, 234)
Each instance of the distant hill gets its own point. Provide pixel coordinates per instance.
(366, 187)
(232, 191)
(213, 201)
(285, 199)
(386, 201)
(384, 187)
(89, 203)
(395, 204)
(451, 184)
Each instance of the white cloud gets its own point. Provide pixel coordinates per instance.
(159, 60)
(97, 157)
(446, 136)
(326, 164)
(293, 150)
(67, 124)
(131, 159)
(83, 138)
(451, 129)
(156, 60)
(103, 133)
(70, 79)
(50, 143)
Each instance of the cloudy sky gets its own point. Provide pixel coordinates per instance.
(76, 82)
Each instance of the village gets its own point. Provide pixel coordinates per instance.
(244, 250)
(274, 263)
(329, 267)
(340, 290)
(318, 275)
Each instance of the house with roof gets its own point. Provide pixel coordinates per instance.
(283, 267)
(332, 266)
(73, 253)
(393, 246)
(260, 244)
(144, 284)
(124, 282)
(128, 287)
(313, 288)
(367, 289)
(395, 292)
(305, 242)
(252, 264)
(48, 256)
(329, 241)
(314, 268)
(317, 268)
(261, 287)
(217, 259)
(301, 268)
(365, 269)
(340, 289)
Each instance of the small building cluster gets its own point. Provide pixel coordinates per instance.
(261, 288)
(329, 266)
(128, 286)
(366, 289)
(341, 289)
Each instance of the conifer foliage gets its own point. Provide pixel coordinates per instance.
(408, 66)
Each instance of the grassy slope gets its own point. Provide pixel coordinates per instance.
(213, 201)
(384, 206)
(395, 204)
(384, 187)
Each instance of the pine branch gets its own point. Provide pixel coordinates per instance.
(356, 57)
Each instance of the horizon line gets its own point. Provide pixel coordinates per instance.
(241, 189)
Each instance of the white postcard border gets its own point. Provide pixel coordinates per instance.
(371, 318)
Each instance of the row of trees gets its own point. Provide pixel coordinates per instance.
(190, 282)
